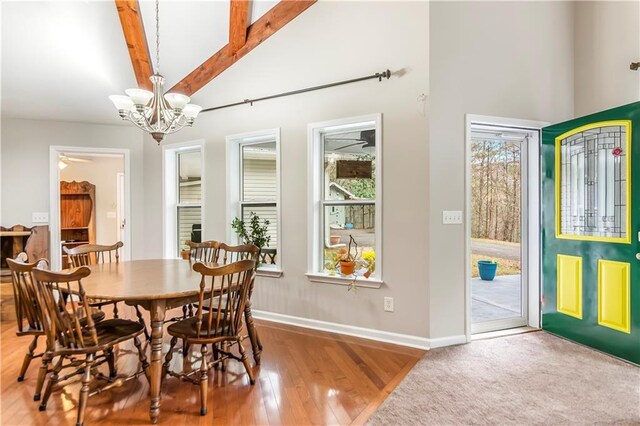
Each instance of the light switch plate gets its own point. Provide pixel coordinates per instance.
(452, 217)
(40, 217)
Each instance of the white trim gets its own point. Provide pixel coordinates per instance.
(365, 333)
(233, 186)
(54, 196)
(315, 189)
(169, 192)
(533, 248)
(340, 280)
(271, 273)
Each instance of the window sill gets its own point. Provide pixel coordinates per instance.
(340, 280)
(269, 272)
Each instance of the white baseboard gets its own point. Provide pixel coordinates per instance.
(365, 333)
(448, 341)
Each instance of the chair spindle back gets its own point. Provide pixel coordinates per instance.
(206, 251)
(62, 318)
(227, 289)
(231, 254)
(91, 254)
(25, 293)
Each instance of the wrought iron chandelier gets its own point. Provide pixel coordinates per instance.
(155, 112)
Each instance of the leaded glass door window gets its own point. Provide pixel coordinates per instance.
(592, 194)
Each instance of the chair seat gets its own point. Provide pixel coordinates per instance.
(116, 330)
(97, 316)
(186, 329)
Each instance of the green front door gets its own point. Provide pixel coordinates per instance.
(591, 230)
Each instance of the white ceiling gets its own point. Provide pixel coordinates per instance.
(61, 60)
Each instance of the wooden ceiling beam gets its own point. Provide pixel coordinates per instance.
(238, 16)
(134, 35)
(277, 17)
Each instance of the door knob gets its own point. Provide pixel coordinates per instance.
(638, 256)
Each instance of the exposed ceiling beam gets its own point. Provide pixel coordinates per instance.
(238, 16)
(277, 17)
(134, 35)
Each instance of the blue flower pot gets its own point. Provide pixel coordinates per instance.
(487, 270)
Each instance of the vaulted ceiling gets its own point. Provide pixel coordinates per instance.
(61, 60)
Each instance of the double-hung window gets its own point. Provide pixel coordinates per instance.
(254, 187)
(189, 191)
(345, 200)
(183, 195)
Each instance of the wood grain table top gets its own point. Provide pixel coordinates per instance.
(143, 280)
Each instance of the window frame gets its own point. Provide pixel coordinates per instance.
(171, 193)
(317, 201)
(235, 176)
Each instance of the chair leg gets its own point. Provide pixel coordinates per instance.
(27, 358)
(245, 361)
(216, 356)
(42, 374)
(115, 310)
(111, 361)
(204, 381)
(142, 356)
(147, 336)
(84, 390)
(169, 357)
(53, 380)
(256, 346)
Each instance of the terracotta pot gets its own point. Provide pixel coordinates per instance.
(334, 239)
(185, 254)
(347, 267)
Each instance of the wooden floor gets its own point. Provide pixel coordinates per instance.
(306, 377)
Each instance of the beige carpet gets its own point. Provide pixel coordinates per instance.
(532, 378)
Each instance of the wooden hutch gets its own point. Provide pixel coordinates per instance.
(77, 215)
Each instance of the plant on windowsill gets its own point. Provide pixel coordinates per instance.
(368, 263)
(346, 259)
(255, 233)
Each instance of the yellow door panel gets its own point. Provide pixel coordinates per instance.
(570, 285)
(613, 295)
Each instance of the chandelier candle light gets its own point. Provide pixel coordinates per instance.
(151, 111)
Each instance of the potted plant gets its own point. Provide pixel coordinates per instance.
(255, 233)
(487, 269)
(346, 260)
(185, 252)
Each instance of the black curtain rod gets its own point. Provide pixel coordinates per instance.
(379, 75)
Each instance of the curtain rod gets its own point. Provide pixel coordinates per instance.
(379, 75)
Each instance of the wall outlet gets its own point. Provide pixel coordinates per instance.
(388, 304)
(40, 217)
(451, 217)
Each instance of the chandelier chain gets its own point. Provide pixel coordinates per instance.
(157, 36)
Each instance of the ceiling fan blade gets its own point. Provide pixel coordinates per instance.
(347, 146)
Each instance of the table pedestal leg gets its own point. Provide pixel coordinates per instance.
(158, 308)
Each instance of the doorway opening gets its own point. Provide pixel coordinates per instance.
(89, 200)
(502, 226)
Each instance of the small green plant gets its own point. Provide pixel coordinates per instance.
(256, 233)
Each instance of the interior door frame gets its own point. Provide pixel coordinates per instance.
(533, 237)
(55, 250)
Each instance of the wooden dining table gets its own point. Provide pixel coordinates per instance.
(155, 285)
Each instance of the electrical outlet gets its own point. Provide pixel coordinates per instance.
(388, 304)
(40, 217)
(451, 217)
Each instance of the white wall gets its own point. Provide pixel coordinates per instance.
(25, 166)
(330, 41)
(509, 59)
(607, 40)
(103, 173)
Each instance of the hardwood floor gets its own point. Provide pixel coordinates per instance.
(306, 377)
